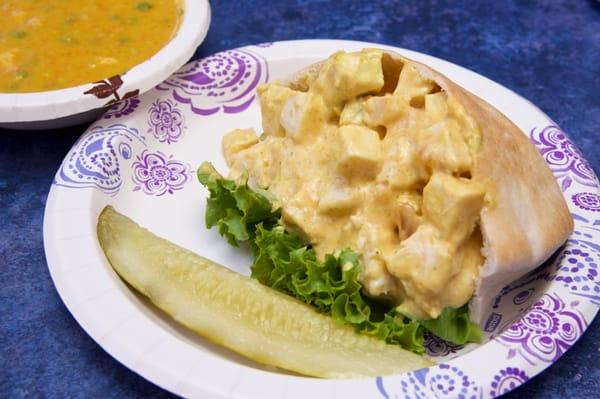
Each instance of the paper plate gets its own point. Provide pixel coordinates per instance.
(59, 108)
(141, 156)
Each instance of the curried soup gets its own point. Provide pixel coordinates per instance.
(54, 44)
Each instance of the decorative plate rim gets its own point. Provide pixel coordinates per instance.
(572, 311)
(54, 104)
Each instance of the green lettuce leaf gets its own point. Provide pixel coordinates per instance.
(282, 261)
(234, 208)
(454, 325)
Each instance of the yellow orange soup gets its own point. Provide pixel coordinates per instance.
(54, 44)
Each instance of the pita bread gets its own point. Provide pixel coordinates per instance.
(527, 220)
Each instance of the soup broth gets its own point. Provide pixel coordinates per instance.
(48, 45)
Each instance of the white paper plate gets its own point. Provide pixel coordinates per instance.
(59, 108)
(141, 156)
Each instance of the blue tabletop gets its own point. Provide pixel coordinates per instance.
(547, 51)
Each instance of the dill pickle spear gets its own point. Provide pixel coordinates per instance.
(241, 314)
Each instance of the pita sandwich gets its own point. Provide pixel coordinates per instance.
(519, 221)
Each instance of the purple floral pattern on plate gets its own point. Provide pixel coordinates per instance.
(575, 266)
(545, 331)
(95, 160)
(156, 174)
(224, 82)
(443, 381)
(577, 270)
(583, 230)
(523, 296)
(561, 155)
(166, 121)
(122, 108)
(587, 201)
(525, 286)
(507, 380)
(437, 347)
(517, 296)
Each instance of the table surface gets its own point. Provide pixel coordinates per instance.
(547, 51)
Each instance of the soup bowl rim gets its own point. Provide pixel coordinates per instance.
(54, 104)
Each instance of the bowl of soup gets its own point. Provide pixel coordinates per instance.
(62, 62)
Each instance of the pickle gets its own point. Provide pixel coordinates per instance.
(241, 314)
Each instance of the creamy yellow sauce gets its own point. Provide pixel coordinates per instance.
(374, 157)
(54, 44)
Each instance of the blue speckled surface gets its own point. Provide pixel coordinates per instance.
(547, 51)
